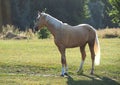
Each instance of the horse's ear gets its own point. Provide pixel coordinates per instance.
(44, 10)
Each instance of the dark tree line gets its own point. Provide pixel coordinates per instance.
(69, 11)
(22, 13)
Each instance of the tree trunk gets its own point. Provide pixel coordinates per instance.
(5, 13)
(0, 16)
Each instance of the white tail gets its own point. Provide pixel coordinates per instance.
(97, 51)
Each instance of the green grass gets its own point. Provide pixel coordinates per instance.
(37, 62)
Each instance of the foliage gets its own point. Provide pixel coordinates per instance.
(68, 11)
(115, 11)
(96, 8)
(22, 13)
(99, 17)
(43, 33)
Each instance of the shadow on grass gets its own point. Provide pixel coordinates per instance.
(93, 80)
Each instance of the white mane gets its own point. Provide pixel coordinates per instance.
(53, 21)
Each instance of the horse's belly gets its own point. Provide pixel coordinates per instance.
(72, 46)
(73, 43)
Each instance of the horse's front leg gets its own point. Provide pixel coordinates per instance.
(63, 61)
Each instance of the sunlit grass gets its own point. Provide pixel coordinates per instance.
(37, 62)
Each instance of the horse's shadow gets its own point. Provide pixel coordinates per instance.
(93, 80)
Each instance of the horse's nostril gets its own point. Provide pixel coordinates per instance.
(35, 28)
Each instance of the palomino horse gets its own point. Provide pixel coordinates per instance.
(66, 36)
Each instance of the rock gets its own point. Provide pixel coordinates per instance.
(11, 35)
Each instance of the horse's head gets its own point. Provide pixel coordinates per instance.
(39, 22)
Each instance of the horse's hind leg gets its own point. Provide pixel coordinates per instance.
(83, 53)
(91, 47)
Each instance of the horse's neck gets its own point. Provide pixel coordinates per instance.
(53, 24)
(53, 21)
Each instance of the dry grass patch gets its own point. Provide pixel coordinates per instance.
(109, 33)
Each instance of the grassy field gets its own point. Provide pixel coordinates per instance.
(37, 62)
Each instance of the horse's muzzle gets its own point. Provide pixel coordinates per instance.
(35, 29)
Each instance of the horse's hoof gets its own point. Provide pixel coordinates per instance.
(62, 75)
(92, 73)
(80, 72)
(66, 74)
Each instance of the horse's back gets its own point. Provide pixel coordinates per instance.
(81, 29)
